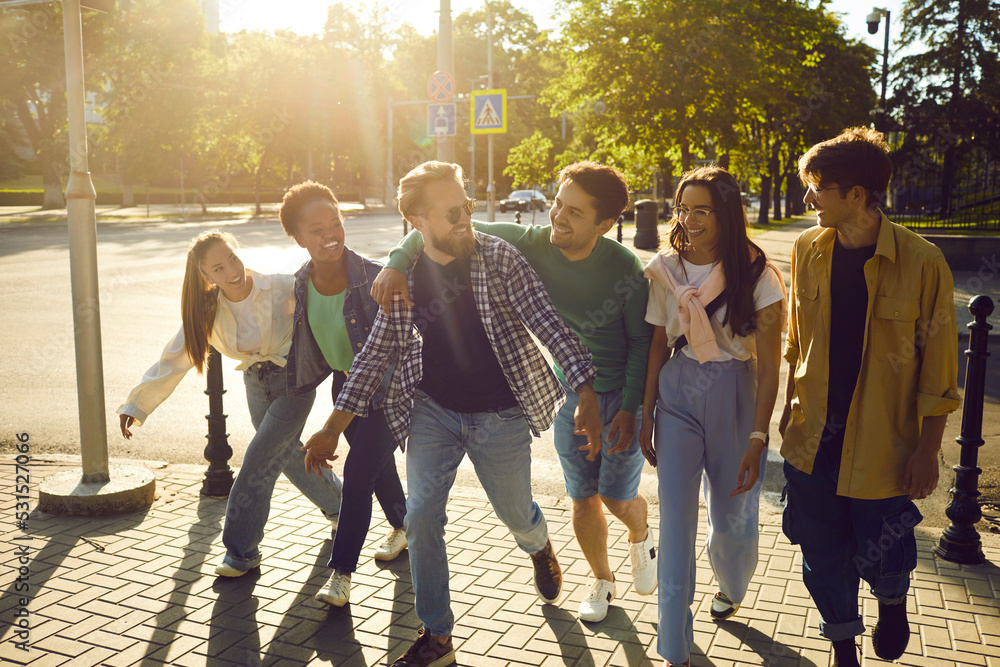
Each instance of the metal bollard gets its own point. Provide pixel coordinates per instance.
(219, 476)
(621, 223)
(960, 542)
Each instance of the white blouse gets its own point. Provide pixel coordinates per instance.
(273, 309)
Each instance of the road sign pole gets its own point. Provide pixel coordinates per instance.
(82, 220)
(446, 63)
(491, 194)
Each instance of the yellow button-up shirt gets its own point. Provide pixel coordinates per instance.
(909, 363)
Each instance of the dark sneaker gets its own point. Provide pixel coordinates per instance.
(845, 653)
(892, 631)
(723, 607)
(427, 651)
(548, 575)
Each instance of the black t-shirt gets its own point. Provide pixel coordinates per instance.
(461, 371)
(848, 312)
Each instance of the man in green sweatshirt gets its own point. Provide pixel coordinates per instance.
(598, 288)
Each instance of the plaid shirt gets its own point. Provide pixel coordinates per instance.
(510, 300)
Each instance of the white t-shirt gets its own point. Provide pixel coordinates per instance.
(662, 308)
(248, 338)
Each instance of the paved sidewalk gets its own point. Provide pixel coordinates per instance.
(139, 590)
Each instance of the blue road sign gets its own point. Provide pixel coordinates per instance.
(441, 120)
(489, 111)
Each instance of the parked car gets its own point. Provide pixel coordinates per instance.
(523, 200)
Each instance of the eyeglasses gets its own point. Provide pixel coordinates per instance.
(815, 191)
(700, 214)
(454, 214)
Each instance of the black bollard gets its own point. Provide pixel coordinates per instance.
(219, 476)
(621, 223)
(517, 216)
(960, 542)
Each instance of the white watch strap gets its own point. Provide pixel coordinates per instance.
(759, 434)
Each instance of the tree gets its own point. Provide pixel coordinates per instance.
(949, 91)
(31, 48)
(723, 80)
(153, 89)
(530, 162)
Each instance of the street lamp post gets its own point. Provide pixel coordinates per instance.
(873, 21)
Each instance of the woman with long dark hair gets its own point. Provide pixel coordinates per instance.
(246, 316)
(717, 305)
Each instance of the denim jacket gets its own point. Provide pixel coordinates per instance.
(307, 367)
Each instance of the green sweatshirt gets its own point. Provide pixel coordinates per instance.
(602, 298)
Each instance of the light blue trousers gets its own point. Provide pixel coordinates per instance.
(704, 417)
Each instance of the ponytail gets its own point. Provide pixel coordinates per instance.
(199, 300)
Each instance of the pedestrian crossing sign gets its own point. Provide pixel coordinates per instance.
(488, 112)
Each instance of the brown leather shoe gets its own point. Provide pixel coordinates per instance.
(548, 574)
(427, 651)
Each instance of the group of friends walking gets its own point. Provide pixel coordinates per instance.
(675, 363)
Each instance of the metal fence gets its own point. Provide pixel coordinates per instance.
(917, 192)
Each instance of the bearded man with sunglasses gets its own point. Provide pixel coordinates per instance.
(597, 285)
(872, 352)
(470, 380)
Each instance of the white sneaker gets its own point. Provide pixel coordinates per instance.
(337, 591)
(224, 569)
(644, 564)
(394, 544)
(595, 606)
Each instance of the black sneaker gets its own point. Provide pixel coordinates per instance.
(845, 653)
(892, 631)
(548, 575)
(427, 651)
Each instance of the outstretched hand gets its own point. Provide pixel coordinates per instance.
(125, 421)
(321, 450)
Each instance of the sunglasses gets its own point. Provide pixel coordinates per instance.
(454, 214)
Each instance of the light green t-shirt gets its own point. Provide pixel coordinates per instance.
(326, 319)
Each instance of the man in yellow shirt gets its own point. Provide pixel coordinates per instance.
(872, 352)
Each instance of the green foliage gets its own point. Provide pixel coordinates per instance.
(530, 162)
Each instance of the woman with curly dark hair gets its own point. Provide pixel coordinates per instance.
(334, 312)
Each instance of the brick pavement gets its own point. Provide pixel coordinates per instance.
(139, 590)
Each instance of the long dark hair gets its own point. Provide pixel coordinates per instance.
(735, 249)
(199, 300)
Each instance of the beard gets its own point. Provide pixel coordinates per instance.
(457, 247)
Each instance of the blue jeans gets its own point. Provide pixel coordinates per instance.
(370, 467)
(275, 448)
(844, 540)
(612, 476)
(499, 446)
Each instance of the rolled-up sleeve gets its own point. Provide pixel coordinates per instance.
(937, 382)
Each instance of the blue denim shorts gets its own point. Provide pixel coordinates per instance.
(613, 476)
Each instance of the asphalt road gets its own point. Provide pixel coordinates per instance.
(141, 265)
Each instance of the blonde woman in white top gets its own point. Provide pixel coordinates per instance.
(246, 316)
